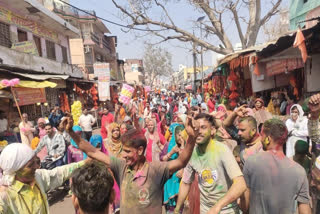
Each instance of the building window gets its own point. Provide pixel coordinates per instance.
(22, 36)
(37, 41)
(51, 51)
(64, 54)
(5, 35)
(305, 1)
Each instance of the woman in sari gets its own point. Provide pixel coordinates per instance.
(170, 152)
(155, 141)
(260, 113)
(112, 145)
(74, 154)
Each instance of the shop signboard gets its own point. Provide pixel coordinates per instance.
(102, 71)
(28, 96)
(275, 67)
(27, 24)
(26, 47)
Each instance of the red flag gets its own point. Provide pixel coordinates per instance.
(299, 42)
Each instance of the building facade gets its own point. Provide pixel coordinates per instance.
(134, 72)
(301, 10)
(92, 45)
(34, 38)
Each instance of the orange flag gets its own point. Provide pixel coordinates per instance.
(299, 42)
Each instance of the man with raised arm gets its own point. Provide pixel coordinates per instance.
(140, 182)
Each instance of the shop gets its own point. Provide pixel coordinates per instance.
(28, 94)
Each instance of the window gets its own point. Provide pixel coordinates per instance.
(64, 54)
(51, 51)
(5, 35)
(305, 1)
(37, 41)
(22, 36)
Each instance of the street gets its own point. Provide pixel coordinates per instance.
(61, 202)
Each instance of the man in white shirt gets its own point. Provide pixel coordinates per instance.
(86, 121)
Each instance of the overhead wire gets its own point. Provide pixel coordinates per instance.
(111, 22)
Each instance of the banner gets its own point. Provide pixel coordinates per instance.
(27, 96)
(26, 47)
(283, 65)
(102, 71)
(26, 24)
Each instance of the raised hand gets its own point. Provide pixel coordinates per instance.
(192, 127)
(67, 123)
(314, 103)
(241, 111)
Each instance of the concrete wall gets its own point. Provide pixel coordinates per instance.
(312, 74)
(77, 51)
(40, 64)
(133, 77)
(62, 40)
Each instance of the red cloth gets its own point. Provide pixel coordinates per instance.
(175, 109)
(211, 106)
(105, 120)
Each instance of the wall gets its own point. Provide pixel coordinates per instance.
(61, 40)
(77, 51)
(261, 83)
(312, 74)
(39, 64)
(298, 11)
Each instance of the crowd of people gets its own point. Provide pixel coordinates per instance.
(170, 153)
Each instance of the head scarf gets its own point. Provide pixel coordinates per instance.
(204, 106)
(260, 100)
(111, 127)
(157, 117)
(75, 129)
(13, 157)
(41, 120)
(173, 142)
(301, 112)
(183, 117)
(96, 140)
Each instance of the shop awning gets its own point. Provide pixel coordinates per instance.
(40, 76)
(33, 84)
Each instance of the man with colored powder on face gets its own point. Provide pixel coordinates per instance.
(275, 182)
(23, 186)
(221, 181)
(141, 182)
(250, 140)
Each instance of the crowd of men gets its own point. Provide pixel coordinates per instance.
(169, 153)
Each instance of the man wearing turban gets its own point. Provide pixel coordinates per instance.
(23, 185)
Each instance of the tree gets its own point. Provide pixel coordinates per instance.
(157, 62)
(138, 13)
(278, 27)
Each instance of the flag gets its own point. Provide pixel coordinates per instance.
(299, 42)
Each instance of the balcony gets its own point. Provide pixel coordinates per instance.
(65, 10)
(34, 63)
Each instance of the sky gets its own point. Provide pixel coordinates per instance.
(131, 46)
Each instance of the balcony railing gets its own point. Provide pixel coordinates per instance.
(66, 10)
